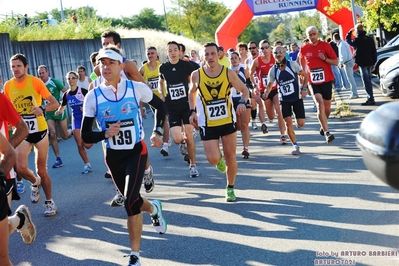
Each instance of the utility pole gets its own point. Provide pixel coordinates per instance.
(353, 12)
(166, 17)
(62, 12)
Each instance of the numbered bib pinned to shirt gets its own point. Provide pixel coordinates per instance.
(126, 137)
(287, 89)
(153, 82)
(31, 122)
(217, 109)
(264, 80)
(177, 92)
(317, 75)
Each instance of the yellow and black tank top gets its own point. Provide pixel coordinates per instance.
(152, 77)
(215, 103)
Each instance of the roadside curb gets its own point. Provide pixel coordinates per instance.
(357, 110)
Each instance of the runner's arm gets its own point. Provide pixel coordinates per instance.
(20, 133)
(9, 157)
(236, 82)
(132, 72)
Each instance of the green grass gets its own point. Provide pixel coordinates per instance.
(344, 110)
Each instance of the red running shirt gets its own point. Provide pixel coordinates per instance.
(319, 71)
(262, 71)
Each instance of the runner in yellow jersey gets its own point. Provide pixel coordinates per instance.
(27, 93)
(215, 115)
(150, 73)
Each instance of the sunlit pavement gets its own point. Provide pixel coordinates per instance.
(322, 206)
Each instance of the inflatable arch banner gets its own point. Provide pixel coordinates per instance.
(238, 19)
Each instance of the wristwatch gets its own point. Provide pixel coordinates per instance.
(241, 101)
(159, 130)
(191, 112)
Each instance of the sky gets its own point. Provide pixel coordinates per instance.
(125, 8)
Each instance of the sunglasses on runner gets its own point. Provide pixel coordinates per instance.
(278, 52)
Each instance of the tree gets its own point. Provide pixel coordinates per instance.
(375, 12)
(284, 27)
(146, 19)
(196, 19)
(259, 29)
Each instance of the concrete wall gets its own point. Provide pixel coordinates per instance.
(61, 56)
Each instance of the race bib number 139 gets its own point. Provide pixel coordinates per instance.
(126, 137)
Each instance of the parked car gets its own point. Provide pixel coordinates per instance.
(385, 52)
(389, 76)
(42, 22)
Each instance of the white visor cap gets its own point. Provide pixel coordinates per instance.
(111, 54)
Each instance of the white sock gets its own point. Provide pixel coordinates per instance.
(137, 254)
(155, 211)
(147, 171)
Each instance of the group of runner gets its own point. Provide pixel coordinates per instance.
(213, 98)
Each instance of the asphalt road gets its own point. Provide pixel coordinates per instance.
(300, 210)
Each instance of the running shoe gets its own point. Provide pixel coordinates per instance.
(283, 140)
(329, 137)
(221, 166)
(296, 150)
(254, 125)
(230, 196)
(183, 148)
(245, 154)
(158, 221)
(165, 149)
(321, 131)
(107, 174)
(20, 187)
(51, 209)
(194, 171)
(149, 181)
(118, 200)
(264, 128)
(35, 193)
(86, 169)
(28, 229)
(133, 261)
(58, 163)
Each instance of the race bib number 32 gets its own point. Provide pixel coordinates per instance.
(31, 122)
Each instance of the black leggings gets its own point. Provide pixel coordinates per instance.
(128, 166)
